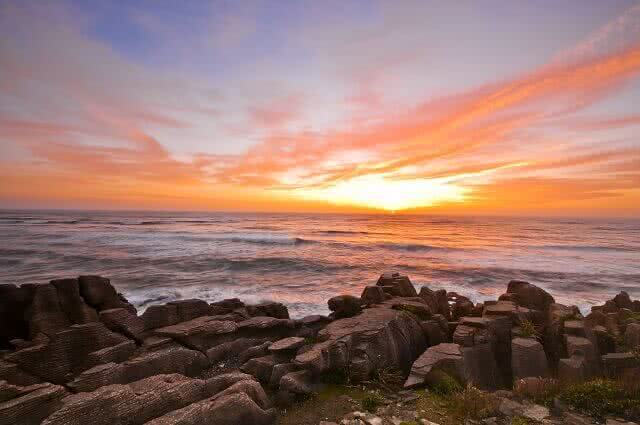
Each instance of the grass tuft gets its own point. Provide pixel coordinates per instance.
(371, 401)
(528, 329)
(601, 397)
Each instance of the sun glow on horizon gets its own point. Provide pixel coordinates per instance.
(378, 192)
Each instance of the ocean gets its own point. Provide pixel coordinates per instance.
(304, 259)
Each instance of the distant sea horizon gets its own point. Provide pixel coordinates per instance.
(302, 259)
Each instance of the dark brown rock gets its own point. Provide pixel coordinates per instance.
(70, 348)
(160, 316)
(290, 344)
(376, 338)
(397, 285)
(445, 358)
(123, 321)
(530, 296)
(163, 361)
(528, 359)
(45, 312)
(260, 367)
(200, 333)
(72, 303)
(622, 300)
(98, 292)
(344, 306)
(135, 403)
(191, 309)
(13, 303)
(269, 309)
(373, 295)
(32, 405)
(437, 301)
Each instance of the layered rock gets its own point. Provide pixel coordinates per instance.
(376, 338)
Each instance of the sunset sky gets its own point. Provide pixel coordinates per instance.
(471, 107)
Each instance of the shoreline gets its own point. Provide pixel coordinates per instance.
(76, 346)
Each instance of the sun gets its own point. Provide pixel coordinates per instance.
(385, 193)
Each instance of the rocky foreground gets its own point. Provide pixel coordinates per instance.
(74, 351)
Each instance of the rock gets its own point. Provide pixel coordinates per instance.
(299, 383)
(510, 408)
(260, 368)
(536, 413)
(290, 344)
(228, 305)
(269, 309)
(168, 360)
(434, 332)
(615, 364)
(134, 403)
(373, 295)
(72, 303)
(622, 300)
(279, 371)
(445, 358)
(416, 307)
(13, 304)
(572, 418)
(255, 351)
(31, 404)
(236, 348)
(249, 387)
(344, 306)
(528, 358)
(45, 315)
(573, 369)
(116, 354)
(123, 321)
(437, 301)
(11, 373)
(191, 309)
(530, 296)
(266, 326)
(556, 317)
(376, 338)
(99, 294)
(397, 285)
(632, 335)
(231, 409)
(70, 348)
(311, 325)
(461, 305)
(200, 333)
(583, 346)
(160, 316)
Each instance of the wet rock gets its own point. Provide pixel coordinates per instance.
(376, 338)
(226, 306)
(530, 296)
(266, 326)
(269, 309)
(31, 405)
(528, 358)
(460, 305)
(123, 321)
(397, 285)
(100, 294)
(344, 306)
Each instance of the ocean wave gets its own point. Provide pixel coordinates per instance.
(264, 239)
(409, 247)
(594, 248)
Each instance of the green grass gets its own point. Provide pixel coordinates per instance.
(520, 420)
(371, 401)
(600, 397)
(388, 376)
(528, 329)
(409, 423)
(414, 310)
(446, 386)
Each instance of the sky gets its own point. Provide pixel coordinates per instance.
(466, 107)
